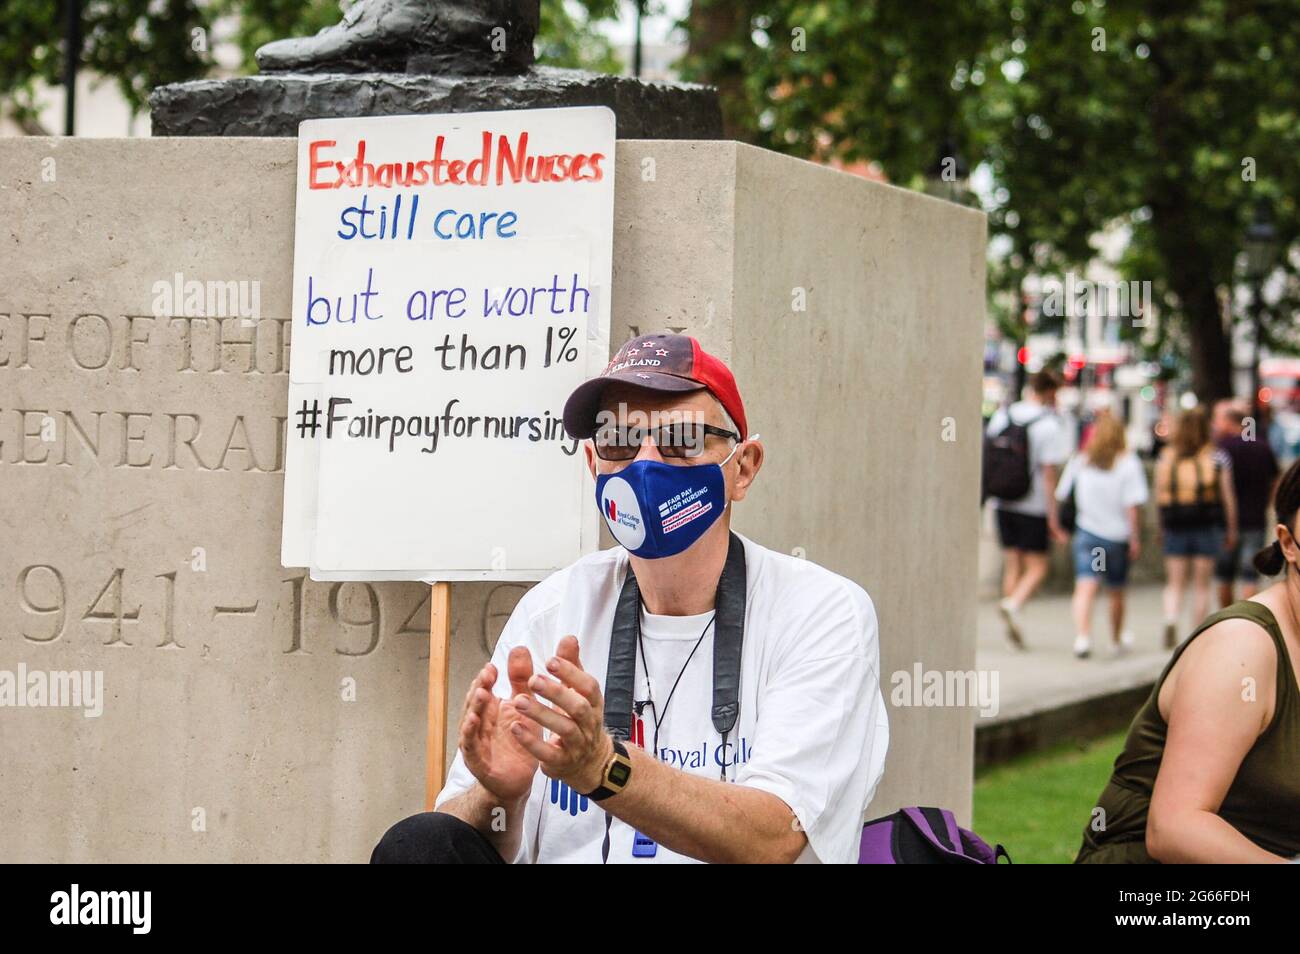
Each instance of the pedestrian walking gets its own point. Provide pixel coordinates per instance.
(1025, 446)
(1254, 476)
(1108, 487)
(1198, 515)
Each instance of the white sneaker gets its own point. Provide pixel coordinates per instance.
(1127, 641)
(1082, 646)
(1011, 617)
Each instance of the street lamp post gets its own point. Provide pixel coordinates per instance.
(1261, 251)
(71, 59)
(636, 43)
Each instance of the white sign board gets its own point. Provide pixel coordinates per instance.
(451, 288)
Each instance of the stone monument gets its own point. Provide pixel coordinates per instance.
(390, 57)
(248, 713)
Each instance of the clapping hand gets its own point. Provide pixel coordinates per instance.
(488, 742)
(579, 747)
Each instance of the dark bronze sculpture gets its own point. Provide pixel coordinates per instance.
(415, 36)
(396, 57)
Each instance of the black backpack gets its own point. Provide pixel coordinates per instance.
(1006, 473)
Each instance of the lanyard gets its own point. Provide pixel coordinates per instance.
(656, 716)
(728, 636)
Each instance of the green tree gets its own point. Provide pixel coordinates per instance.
(1169, 118)
(138, 43)
(569, 38)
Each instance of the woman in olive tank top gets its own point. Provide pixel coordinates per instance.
(1210, 771)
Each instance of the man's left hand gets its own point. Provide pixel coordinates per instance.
(579, 747)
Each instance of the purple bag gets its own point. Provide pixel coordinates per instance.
(924, 836)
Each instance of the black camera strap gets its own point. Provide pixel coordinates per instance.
(728, 637)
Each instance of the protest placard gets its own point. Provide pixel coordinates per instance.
(451, 287)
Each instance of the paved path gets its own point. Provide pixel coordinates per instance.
(1048, 675)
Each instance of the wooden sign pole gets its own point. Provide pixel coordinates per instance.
(439, 657)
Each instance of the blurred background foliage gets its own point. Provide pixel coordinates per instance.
(1169, 119)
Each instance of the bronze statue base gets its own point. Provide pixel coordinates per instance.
(273, 104)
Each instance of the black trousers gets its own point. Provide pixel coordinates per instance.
(434, 838)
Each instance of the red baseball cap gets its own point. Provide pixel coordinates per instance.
(656, 363)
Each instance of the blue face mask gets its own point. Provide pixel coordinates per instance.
(658, 510)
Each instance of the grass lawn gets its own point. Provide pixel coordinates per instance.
(1036, 806)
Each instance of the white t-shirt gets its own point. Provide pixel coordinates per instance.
(1049, 444)
(812, 727)
(1102, 497)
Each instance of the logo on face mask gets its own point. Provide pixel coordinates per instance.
(622, 513)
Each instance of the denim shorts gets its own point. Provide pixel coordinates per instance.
(1193, 541)
(1098, 558)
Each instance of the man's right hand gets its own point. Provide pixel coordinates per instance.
(502, 766)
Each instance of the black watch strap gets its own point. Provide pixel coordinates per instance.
(617, 774)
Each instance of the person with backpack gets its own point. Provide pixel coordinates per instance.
(1108, 486)
(1198, 515)
(1024, 448)
(1208, 771)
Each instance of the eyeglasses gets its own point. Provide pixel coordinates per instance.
(674, 441)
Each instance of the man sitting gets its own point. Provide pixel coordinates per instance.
(688, 695)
